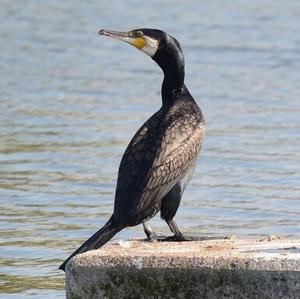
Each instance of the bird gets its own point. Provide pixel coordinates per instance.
(159, 161)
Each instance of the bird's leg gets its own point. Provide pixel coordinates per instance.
(151, 236)
(169, 206)
(178, 236)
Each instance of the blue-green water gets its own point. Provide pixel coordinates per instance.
(71, 101)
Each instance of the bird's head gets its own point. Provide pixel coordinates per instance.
(146, 40)
(158, 44)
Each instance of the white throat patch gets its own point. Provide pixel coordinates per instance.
(151, 46)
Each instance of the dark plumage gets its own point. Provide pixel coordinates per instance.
(161, 157)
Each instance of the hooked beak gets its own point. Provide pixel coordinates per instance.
(125, 37)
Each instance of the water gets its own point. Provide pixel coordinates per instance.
(71, 101)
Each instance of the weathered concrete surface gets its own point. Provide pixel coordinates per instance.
(198, 269)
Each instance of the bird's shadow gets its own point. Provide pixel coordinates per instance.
(187, 238)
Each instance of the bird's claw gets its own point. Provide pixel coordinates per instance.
(152, 237)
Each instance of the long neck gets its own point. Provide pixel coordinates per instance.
(173, 81)
(172, 64)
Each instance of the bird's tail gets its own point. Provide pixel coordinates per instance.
(102, 236)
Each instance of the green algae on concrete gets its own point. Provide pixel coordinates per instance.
(197, 269)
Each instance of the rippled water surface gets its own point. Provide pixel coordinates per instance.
(71, 101)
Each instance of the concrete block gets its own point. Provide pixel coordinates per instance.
(221, 268)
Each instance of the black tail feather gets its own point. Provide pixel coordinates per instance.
(102, 236)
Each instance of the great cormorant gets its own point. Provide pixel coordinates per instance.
(161, 156)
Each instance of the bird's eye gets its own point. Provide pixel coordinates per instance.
(139, 34)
